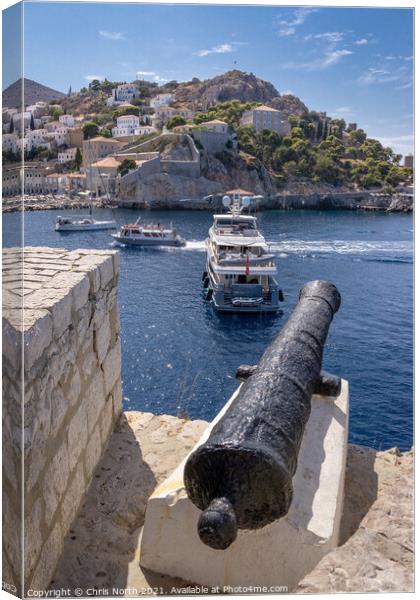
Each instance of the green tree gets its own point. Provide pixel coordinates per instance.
(90, 130)
(12, 125)
(128, 164)
(32, 125)
(327, 169)
(78, 159)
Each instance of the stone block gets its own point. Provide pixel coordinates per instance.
(12, 528)
(95, 400)
(106, 269)
(37, 335)
(50, 553)
(72, 499)
(281, 553)
(61, 315)
(77, 435)
(112, 367)
(106, 420)
(33, 536)
(58, 472)
(80, 291)
(117, 399)
(12, 344)
(93, 453)
(102, 338)
(59, 409)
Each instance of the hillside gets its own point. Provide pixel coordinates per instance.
(33, 92)
(199, 95)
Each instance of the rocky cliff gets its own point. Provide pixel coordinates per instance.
(234, 85)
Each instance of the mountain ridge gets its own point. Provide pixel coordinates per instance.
(32, 91)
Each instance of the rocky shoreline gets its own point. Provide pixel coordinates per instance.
(364, 200)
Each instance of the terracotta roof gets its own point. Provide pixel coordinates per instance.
(109, 161)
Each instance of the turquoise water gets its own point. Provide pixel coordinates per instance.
(180, 357)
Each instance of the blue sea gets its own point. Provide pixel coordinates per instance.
(180, 357)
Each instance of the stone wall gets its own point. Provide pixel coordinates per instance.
(72, 399)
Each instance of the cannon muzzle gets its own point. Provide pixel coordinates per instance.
(241, 477)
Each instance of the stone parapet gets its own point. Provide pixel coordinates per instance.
(59, 427)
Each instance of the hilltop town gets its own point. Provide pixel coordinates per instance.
(139, 143)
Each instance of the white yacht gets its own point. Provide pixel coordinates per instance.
(148, 234)
(240, 271)
(82, 223)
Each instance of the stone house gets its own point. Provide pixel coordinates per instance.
(97, 148)
(265, 117)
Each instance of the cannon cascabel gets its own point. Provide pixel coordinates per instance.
(241, 477)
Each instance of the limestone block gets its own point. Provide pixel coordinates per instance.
(70, 383)
(58, 472)
(102, 338)
(37, 335)
(279, 554)
(80, 291)
(106, 419)
(106, 269)
(95, 400)
(73, 497)
(88, 363)
(77, 435)
(112, 367)
(12, 345)
(33, 536)
(117, 399)
(93, 452)
(50, 553)
(59, 408)
(12, 529)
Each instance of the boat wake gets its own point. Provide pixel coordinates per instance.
(397, 251)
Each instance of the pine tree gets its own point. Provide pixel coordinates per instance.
(12, 126)
(78, 159)
(115, 95)
(69, 92)
(32, 122)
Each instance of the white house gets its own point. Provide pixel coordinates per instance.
(161, 100)
(53, 126)
(23, 143)
(9, 142)
(22, 120)
(144, 130)
(67, 120)
(67, 155)
(125, 126)
(265, 117)
(122, 93)
(37, 110)
(37, 138)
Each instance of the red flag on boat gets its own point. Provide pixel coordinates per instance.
(247, 265)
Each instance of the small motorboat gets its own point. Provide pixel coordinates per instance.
(82, 223)
(148, 234)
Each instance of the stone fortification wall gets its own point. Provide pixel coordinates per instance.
(212, 141)
(72, 399)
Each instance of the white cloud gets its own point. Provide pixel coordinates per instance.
(332, 57)
(401, 144)
(151, 75)
(333, 37)
(361, 42)
(344, 110)
(221, 49)
(116, 36)
(299, 16)
(376, 76)
(92, 77)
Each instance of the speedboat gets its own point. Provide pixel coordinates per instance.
(148, 234)
(82, 223)
(240, 271)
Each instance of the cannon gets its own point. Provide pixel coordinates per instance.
(241, 477)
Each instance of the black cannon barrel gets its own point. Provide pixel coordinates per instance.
(241, 477)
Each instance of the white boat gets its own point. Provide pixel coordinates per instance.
(82, 223)
(148, 234)
(239, 275)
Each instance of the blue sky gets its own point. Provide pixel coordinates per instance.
(351, 62)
